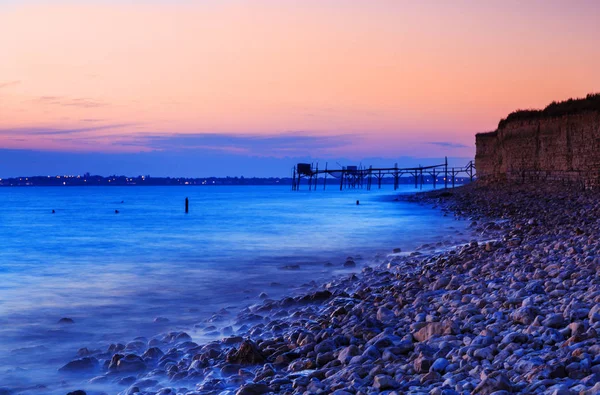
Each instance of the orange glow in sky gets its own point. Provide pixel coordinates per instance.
(402, 77)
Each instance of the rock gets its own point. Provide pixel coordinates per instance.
(430, 377)
(525, 315)
(325, 358)
(66, 320)
(433, 329)
(347, 353)
(153, 353)
(439, 365)
(384, 382)
(441, 282)
(594, 314)
(130, 363)
(349, 263)
(325, 346)
(80, 365)
(385, 314)
(422, 364)
(77, 392)
(496, 381)
(595, 390)
(248, 354)
(554, 321)
(253, 389)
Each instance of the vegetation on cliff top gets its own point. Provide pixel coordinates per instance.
(556, 109)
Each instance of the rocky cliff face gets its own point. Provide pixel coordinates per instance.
(565, 148)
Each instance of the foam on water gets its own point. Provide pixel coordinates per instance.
(113, 274)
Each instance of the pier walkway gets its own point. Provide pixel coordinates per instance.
(364, 177)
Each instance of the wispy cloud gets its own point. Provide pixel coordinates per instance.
(9, 83)
(36, 131)
(282, 144)
(447, 144)
(83, 102)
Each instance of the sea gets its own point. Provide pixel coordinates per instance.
(125, 262)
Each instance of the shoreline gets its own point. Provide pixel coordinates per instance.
(23, 376)
(249, 323)
(516, 313)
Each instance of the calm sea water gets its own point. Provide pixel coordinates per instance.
(113, 274)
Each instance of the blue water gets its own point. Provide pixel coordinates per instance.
(113, 274)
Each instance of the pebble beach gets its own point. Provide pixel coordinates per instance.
(514, 310)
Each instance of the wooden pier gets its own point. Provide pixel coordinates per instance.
(364, 177)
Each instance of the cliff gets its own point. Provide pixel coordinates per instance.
(559, 143)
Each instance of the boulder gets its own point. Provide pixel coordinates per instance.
(247, 354)
(432, 329)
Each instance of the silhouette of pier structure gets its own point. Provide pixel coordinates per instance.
(365, 177)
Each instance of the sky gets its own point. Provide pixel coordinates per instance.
(219, 87)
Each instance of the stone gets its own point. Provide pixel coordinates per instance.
(86, 364)
(422, 364)
(554, 321)
(439, 365)
(385, 314)
(347, 353)
(253, 389)
(130, 363)
(433, 329)
(384, 382)
(248, 354)
(525, 315)
(496, 381)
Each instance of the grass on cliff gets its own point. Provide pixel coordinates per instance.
(556, 109)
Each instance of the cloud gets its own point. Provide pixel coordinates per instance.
(282, 144)
(83, 102)
(447, 144)
(34, 131)
(9, 83)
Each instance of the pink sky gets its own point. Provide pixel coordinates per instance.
(388, 75)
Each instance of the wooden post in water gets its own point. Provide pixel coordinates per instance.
(434, 178)
(446, 173)
(325, 177)
(361, 174)
(342, 180)
(421, 178)
(379, 180)
(187, 205)
(453, 177)
(294, 179)
(416, 179)
(395, 176)
(317, 176)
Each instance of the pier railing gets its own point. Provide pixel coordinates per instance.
(364, 177)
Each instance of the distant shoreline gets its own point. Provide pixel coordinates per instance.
(88, 180)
